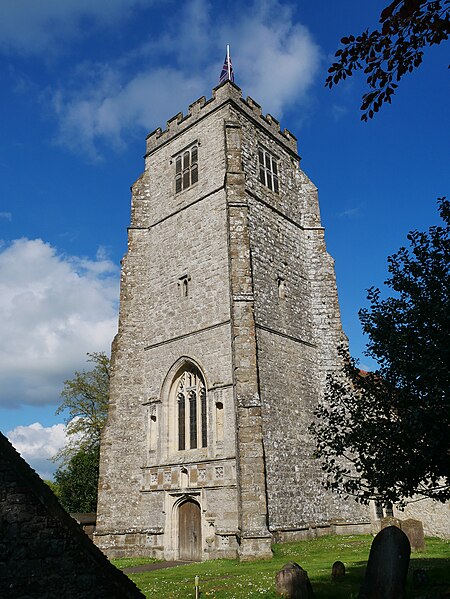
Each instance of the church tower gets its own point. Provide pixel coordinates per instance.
(229, 322)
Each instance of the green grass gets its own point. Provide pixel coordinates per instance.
(235, 580)
(129, 562)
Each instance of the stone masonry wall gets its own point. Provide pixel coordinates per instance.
(171, 236)
(435, 517)
(263, 360)
(298, 331)
(44, 553)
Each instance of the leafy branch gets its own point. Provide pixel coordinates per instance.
(388, 53)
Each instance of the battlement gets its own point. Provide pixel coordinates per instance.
(226, 92)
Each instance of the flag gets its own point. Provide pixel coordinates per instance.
(227, 69)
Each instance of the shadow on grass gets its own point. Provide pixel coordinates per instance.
(225, 579)
(438, 570)
(345, 588)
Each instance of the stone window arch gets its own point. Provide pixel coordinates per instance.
(190, 409)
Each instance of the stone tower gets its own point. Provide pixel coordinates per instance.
(229, 322)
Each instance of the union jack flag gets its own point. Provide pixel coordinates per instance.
(227, 69)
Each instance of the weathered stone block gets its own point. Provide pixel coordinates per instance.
(413, 529)
(390, 521)
(292, 582)
(337, 571)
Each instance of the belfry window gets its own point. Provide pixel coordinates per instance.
(183, 285)
(191, 411)
(186, 168)
(268, 169)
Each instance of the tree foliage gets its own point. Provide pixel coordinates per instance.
(53, 486)
(385, 435)
(85, 401)
(77, 481)
(388, 53)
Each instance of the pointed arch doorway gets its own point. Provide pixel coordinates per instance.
(189, 531)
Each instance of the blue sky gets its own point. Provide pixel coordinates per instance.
(83, 82)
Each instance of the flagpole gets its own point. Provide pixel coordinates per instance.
(228, 62)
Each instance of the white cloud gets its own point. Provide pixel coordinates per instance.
(105, 112)
(275, 61)
(6, 216)
(338, 111)
(349, 212)
(36, 26)
(53, 310)
(276, 58)
(38, 444)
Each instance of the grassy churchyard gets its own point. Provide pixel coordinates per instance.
(235, 580)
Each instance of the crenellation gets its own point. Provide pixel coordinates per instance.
(256, 108)
(196, 106)
(174, 123)
(155, 134)
(290, 136)
(273, 123)
(226, 92)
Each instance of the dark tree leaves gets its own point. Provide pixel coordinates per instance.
(386, 435)
(77, 481)
(387, 54)
(85, 401)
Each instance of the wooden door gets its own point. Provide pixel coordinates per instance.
(190, 532)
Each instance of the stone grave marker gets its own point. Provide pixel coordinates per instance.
(387, 568)
(337, 571)
(292, 582)
(413, 529)
(390, 521)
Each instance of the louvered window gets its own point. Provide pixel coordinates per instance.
(186, 168)
(268, 169)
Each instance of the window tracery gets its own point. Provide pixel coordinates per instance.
(191, 411)
(186, 168)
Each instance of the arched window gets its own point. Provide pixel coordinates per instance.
(190, 396)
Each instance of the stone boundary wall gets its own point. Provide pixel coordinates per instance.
(314, 531)
(44, 553)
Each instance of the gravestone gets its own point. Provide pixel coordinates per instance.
(413, 529)
(390, 521)
(292, 582)
(387, 568)
(337, 571)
